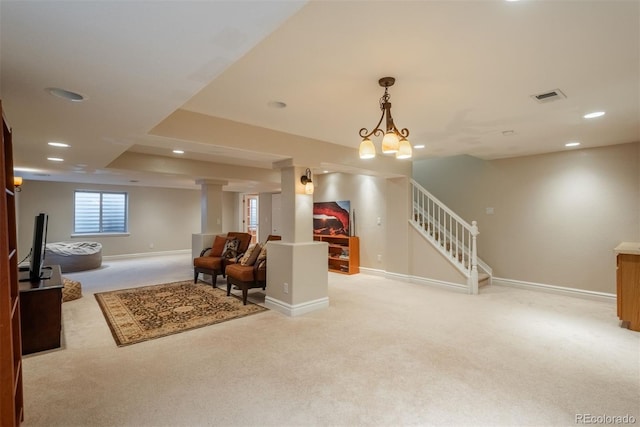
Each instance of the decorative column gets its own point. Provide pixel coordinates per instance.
(297, 273)
(210, 215)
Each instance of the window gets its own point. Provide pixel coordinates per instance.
(100, 212)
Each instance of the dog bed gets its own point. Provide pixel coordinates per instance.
(74, 256)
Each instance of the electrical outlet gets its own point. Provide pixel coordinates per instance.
(379, 258)
(151, 245)
(285, 288)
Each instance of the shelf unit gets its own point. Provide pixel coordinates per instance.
(344, 253)
(11, 401)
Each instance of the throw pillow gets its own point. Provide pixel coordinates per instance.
(231, 248)
(263, 254)
(247, 254)
(218, 246)
(250, 257)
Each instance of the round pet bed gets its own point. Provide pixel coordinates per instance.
(74, 256)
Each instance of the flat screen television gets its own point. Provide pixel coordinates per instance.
(36, 260)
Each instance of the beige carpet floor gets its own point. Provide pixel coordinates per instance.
(385, 353)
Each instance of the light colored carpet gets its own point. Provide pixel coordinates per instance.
(384, 353)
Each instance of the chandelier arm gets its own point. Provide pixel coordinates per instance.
(376, 131)
(404, 132)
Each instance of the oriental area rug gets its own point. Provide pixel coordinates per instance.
(140, 314)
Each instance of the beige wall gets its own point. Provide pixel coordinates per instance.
(427, 262)
(557, 217)
(163, 217)
(368, 199)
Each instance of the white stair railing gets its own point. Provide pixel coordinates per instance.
(451, 235)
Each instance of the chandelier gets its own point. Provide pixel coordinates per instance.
(394, 140)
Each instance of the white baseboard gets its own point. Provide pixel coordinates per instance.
(147, 254)
(457, 287)
(415, 279)
(497, 281)
(373, 271)
(580, 293)
(298, 309)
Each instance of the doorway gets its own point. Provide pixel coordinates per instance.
(250, 215)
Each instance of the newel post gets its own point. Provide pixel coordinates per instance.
(473, 288)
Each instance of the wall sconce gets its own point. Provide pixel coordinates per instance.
(306, 181)
(17, 182)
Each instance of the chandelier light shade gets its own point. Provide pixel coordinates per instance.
(394, 141)
(367, 149)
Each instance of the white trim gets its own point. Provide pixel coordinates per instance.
(397, 276)
(573, 292)
(372, 271)
(457, 287)
(147, 254)
(298, 309)
(117, 234)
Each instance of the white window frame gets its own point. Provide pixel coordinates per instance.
(125, 232)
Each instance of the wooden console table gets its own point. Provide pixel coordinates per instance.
(41, 311)
(628, 284)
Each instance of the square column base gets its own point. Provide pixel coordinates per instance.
(297, 277)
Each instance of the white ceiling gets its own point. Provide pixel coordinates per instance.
(465, 74)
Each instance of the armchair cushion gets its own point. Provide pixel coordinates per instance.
(250, 256)
(218, 246)
(231, 248)
(241, 272)
(208, 262)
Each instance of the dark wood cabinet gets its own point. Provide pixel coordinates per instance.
(41, 311)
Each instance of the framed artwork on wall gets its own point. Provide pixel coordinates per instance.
(332, 218)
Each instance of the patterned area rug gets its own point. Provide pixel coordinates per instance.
(140, 314)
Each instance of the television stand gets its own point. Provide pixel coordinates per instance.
(45, 274)
(41, 311)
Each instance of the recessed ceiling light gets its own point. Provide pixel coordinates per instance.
(417, 147)
(594, 115)
(55, 159)
(572, 144)
(325, 171)
(277, 104)
(178, 151)
(65, 94)
(58, 144)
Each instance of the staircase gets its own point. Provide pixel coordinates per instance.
(452, 236)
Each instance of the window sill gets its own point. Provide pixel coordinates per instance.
(101, 235)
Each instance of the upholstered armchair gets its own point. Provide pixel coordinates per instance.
(251, 270)
(224, 251)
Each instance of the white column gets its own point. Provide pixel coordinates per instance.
(210, 215)
(297, 273)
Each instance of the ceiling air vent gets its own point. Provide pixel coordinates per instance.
(552, 95)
